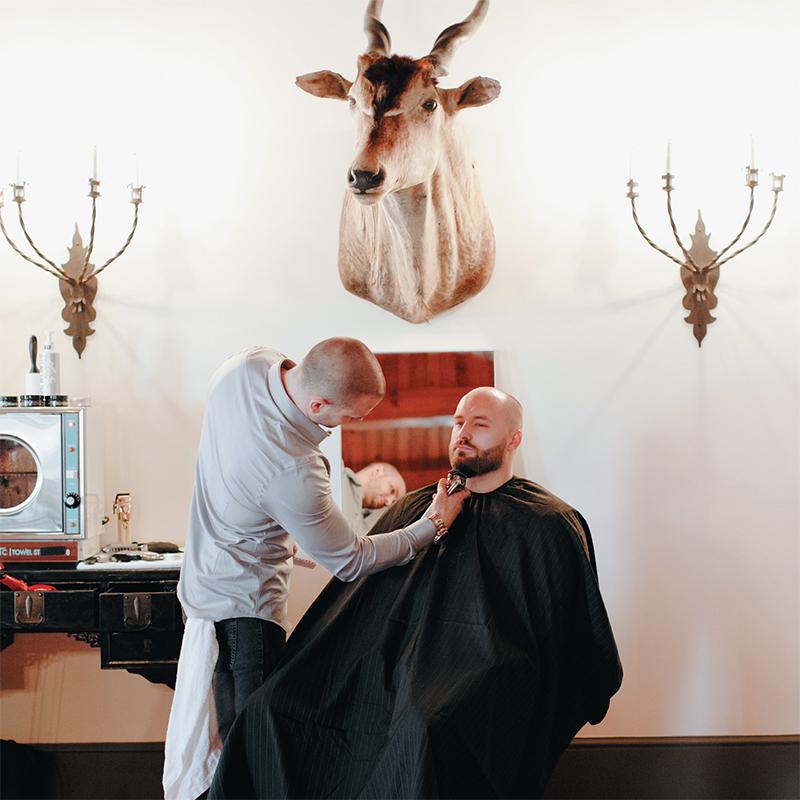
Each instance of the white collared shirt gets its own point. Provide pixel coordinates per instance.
(262, 483)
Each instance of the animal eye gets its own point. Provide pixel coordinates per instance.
(430, 105)
(351, 101)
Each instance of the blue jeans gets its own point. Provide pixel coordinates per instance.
(249, 648)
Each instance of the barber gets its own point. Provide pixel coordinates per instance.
(262, 484)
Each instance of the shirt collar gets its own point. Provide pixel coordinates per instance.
(310, 430)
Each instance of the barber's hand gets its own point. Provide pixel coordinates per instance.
(448, 507)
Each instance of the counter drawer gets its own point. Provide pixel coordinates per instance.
(142, 609)
(140, 649)
(71, 606)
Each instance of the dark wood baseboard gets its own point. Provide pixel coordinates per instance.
(679, 767)
(763, 767)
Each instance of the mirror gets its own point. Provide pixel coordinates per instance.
(411, 428)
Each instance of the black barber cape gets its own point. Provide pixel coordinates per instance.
(464, 673)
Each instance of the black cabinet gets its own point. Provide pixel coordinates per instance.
(133, 615)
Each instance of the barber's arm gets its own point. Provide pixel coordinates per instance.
(300, 501)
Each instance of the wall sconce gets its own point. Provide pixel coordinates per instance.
(700, 264)
(78, 277)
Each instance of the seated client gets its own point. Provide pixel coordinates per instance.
(464, 673)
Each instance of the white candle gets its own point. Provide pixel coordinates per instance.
(94, 163)
(752, 153)
(136, 169)
(17, 167)
(669, 148)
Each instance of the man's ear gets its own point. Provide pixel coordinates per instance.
(324, 84)
(516, 440)
(477, 92)
(317, 404)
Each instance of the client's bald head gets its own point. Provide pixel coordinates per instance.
(487, 430)
(341, 370)
(500, 406)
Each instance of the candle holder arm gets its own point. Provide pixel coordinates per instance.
(738, 235)
(648, 239)
(124, 246)
(57, 272)
(689, 263)
(763, 231)
(33, 246)
(85, 268)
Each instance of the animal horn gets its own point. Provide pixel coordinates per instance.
(379, 42)
(447, 41)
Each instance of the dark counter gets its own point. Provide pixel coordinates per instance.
(133, 616)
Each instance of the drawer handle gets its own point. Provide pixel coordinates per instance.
(136, 610)
(28, 608)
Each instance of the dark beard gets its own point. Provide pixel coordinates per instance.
(479, 464)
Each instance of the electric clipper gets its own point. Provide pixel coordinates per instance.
(456, 481)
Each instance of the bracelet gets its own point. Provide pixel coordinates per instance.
(441, 528)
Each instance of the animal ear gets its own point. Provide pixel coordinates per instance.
(476, 92)
(324, 84)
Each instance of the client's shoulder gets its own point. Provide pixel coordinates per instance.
(544, 513)
(531, 498)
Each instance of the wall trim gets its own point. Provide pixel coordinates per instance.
(766, 767)
(682, 741)
(603, 768)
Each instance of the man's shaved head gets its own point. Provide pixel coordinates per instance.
(390, 470)
(487, 429)
(342, 370)
(382, 484)
(507, 407)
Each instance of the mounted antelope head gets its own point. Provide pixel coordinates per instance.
(415, 237)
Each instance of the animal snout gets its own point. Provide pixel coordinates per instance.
(364, 180)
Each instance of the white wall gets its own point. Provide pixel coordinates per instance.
(685, 461)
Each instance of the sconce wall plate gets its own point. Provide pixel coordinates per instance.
(78, 295)
(700, 284)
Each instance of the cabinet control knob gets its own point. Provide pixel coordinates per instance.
(72, 500)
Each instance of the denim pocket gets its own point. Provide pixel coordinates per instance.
(247, 651)
(227, 637)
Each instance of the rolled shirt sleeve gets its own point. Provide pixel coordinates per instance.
(300, 501)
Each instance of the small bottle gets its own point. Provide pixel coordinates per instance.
(51, 377)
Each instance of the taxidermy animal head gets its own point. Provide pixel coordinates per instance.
(415, 237)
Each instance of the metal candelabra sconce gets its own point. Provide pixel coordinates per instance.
(78, 277)
(700, 264)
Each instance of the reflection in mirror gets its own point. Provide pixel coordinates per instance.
(18, 473)
(410, 429)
